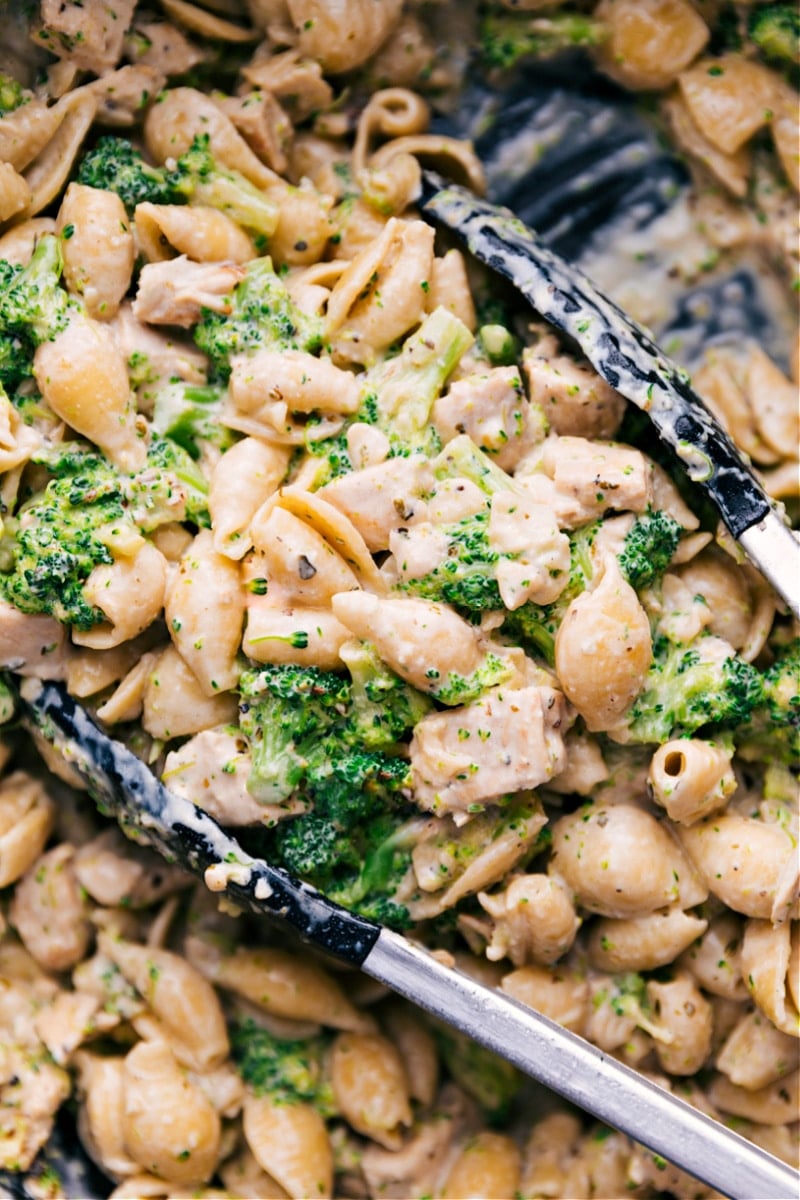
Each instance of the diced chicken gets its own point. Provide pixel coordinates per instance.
(572, 396)
(68, 1021)
(31, 644)
(264, 124)
(29, 1100)
(455, 499)
(122, 95)
(366, 445)
(529, 531)
(211, 770)
(162, 46)
(592, 478)
(383, 498)
(424, 642)
(155, 358)
(90, 35)
(176, 291)
(117, 873)
(491, 406)
(508, 740)
(417, 552)
(296, 81)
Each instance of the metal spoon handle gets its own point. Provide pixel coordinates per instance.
(583, 1074)
(124, 786)
(627, 358)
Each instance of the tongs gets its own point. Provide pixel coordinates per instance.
(123, 786)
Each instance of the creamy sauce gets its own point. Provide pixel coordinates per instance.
(647, 270)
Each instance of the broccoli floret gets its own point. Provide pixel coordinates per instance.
(457, 689)
(8, 704)
(306, 729)
(190, 415)
(775, 29)
(115, 165)
(8, 273)
(332, 454)
(383, 707)
(772, 734)
(63, 532)
(15, 357)
(57, 543)
(507, 38)
(33, 305)
(492, 1081)
(648, 548)
(465, 577)
(197, 177)
(12, 94)
(359, 865)
(462, 459)
(262, 316)
(499, 344)
(15, 361)
(286, 1071)
(688, 687)
(306, 732)
(168, 474)
(399, 393)
(285, 711)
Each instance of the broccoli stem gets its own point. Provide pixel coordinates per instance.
(507, 38)
(33, 305)
(400, 392)
(198, 178)
(190, 414)
(461, 458)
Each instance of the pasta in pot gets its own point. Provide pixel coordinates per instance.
(365, 564)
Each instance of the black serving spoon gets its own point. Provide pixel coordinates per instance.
(623, 352)
(123, 786)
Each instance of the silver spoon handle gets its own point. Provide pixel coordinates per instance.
(125, 786)
(583, 1074)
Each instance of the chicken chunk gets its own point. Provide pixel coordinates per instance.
(572, 396)
(593, 478)
(211, 770)
(31, 644)
(162, 46)
(383, 498)
(539, 569)
(90, 35)
(175, 292)
(508, 740)
(492, 408)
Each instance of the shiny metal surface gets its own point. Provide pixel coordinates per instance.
(776, 550)
(583, 1074)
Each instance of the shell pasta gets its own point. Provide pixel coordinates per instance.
(373, 567)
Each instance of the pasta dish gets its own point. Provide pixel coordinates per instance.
(366, 562)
